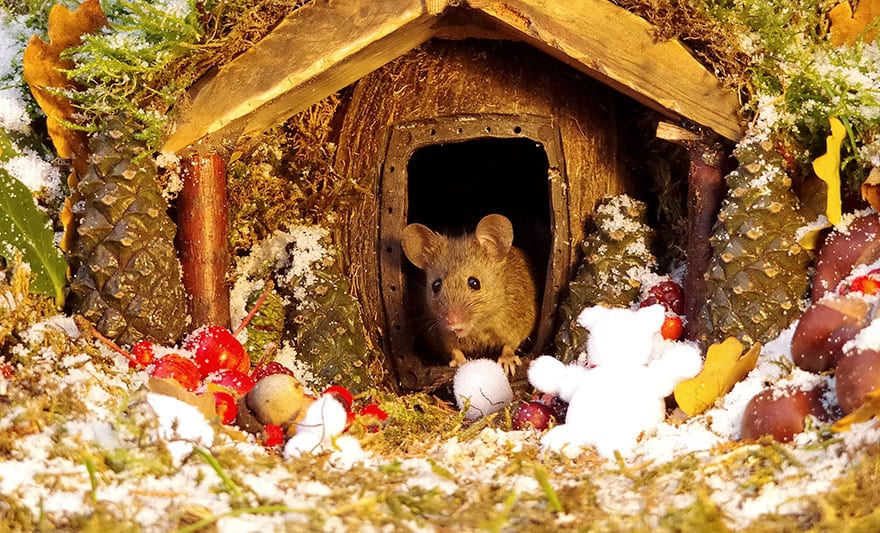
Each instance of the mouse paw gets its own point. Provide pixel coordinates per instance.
(509, 361)
(458, 358)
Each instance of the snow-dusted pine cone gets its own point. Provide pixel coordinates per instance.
(615, 255)
(758, 276)
(126, 277)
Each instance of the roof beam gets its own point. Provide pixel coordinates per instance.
(314, 52)
(325, 46)
(621, 50)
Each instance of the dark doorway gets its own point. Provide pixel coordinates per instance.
(452, 186)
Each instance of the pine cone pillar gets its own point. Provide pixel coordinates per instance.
(758, 276)
(615, 256)
(126, 278)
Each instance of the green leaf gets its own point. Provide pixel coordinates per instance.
(25, 228)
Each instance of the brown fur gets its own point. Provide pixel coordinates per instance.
(501, 314)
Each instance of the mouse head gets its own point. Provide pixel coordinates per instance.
(423, 246)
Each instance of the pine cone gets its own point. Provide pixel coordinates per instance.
(758, 276)
(126, 276)
(615, 255)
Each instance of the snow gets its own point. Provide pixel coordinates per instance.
(481, 386)
(622, 392)
(181, 425)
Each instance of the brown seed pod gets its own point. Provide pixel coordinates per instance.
(858, 373)
(823, 329)
(842, 251)
(780, 413)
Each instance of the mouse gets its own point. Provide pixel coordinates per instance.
(479, 295)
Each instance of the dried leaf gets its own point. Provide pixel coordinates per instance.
(871, 189)
(827, 167)
(725, 365)
(868, 410)
(848, 27)
(44, 72)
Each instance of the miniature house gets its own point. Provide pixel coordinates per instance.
(461, 110)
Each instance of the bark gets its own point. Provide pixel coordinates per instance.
(202, 239)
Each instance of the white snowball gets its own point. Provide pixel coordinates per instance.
(546, 373)
(326, 417)
(482, 386)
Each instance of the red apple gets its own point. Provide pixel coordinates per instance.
(273, 435)
(224, 405)
(180, 369)
(231, 381)
(215, 348)
(143, 354)
(272, 367)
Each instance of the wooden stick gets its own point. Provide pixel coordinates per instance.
(706, 190)
(201, 238)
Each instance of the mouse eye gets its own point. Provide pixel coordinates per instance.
(474, 283)
(436, 285)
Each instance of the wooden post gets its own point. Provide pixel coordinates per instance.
(706, 190)
(202, 238)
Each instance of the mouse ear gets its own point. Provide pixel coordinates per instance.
(420, 244)
(495, 235)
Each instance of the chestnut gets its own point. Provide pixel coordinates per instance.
(858, 373)
(780, 413)
(823, 329)
(842, 251)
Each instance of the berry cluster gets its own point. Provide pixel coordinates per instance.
(212, 361)
(668, 294)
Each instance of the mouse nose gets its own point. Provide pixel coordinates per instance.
(456, 323)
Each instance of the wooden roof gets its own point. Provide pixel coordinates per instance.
(327, 45)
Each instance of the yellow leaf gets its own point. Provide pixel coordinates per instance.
(868, 410)
(847, 27)
(43, 71)
(725, 365)
(827, 167)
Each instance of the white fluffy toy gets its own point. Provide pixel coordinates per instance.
(620, 392)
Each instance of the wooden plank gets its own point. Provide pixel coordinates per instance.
(621, 50)
(315, 51)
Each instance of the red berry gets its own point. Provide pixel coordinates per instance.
(375, 412)
(178, 368)
(6, 370)
(666, 293)
(342, 394)
(672, 328)
(557, 405)
(224, 405)
(868, 284)
(143, 354)
(231, 381)
(532, 414)
(272, 367)
(215, 348)
(273, 435)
